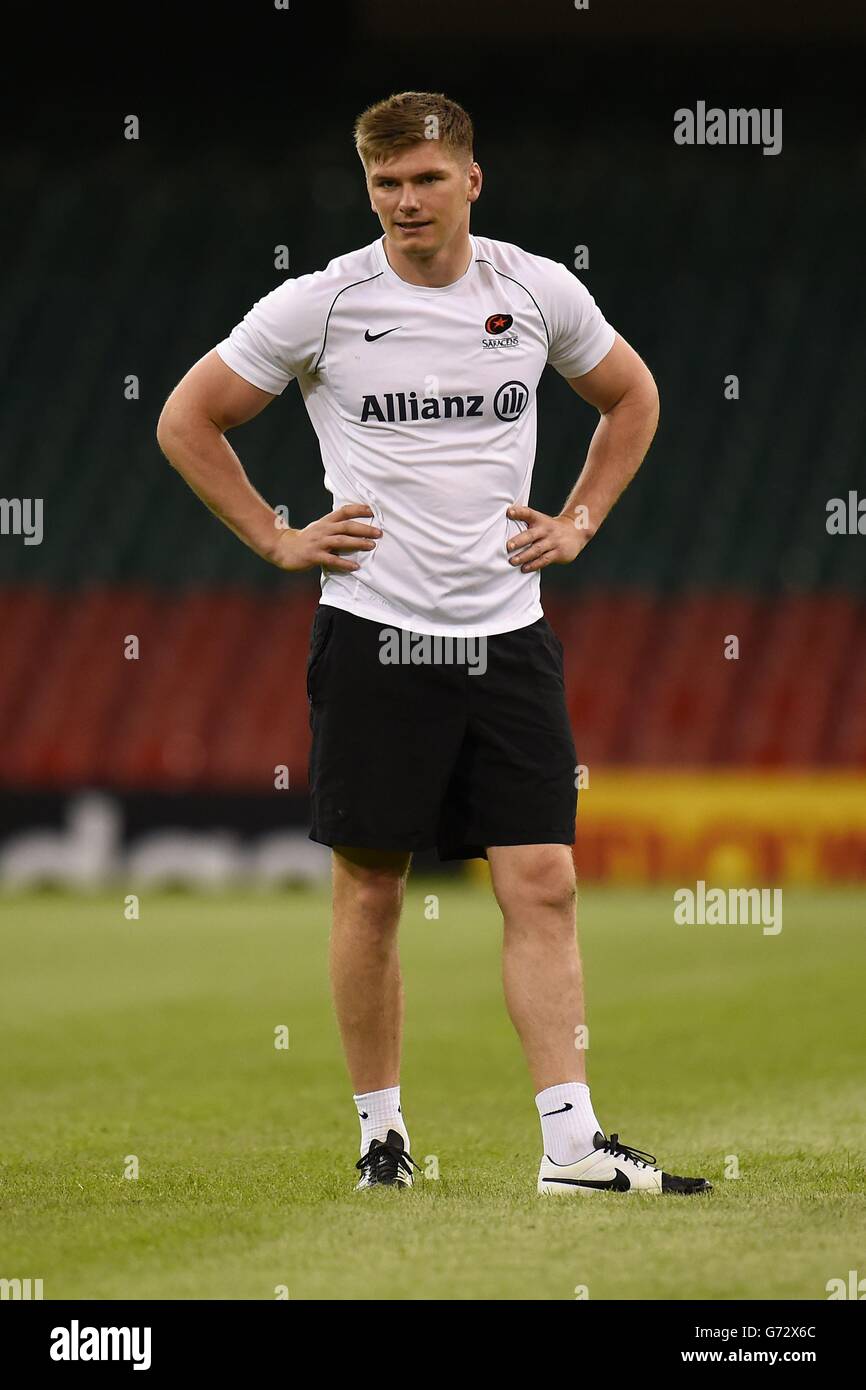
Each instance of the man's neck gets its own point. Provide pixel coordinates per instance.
(435, 272)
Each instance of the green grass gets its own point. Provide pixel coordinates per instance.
(156, 1038)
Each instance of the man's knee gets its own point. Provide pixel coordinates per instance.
(543, 879)
(372, 881)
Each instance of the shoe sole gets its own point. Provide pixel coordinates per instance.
(557, 1189)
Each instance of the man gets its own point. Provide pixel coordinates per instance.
(418, 358)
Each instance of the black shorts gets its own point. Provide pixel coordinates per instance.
(409, 756)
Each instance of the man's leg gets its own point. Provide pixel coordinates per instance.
(368, 887)
(368, 999)
(536, 888)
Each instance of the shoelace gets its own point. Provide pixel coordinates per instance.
(384, 1162)
(613, 1146)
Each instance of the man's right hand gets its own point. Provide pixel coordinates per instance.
(324, 541)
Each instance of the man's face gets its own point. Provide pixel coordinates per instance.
(422, 196)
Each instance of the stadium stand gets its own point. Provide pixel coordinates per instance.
(722, 533)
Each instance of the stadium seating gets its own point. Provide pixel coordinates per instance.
(216, 696)
(721, 534)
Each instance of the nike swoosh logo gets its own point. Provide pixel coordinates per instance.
(371, 337)
(567, 1106)
(364, 1115)
(618, 1184)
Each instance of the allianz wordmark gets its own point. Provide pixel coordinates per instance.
(396, 407)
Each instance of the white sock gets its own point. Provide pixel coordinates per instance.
(378, 1112)
(567, 1133)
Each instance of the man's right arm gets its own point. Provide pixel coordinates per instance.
(210, 400)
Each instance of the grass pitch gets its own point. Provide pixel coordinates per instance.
(155, 1039)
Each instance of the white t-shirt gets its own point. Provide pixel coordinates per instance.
(423, 401)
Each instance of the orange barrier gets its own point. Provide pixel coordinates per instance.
(732, 827)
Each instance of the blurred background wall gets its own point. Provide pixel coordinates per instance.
(124, 261)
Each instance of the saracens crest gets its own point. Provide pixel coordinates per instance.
(496, 327)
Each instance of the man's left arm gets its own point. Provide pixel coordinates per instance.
(624, 393)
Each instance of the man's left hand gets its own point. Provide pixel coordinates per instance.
(548, 540)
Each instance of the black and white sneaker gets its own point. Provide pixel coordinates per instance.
(613, 1167)
(387, 1163)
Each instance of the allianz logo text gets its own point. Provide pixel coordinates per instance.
(396, 407)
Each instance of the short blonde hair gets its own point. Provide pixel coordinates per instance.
(406, 119)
